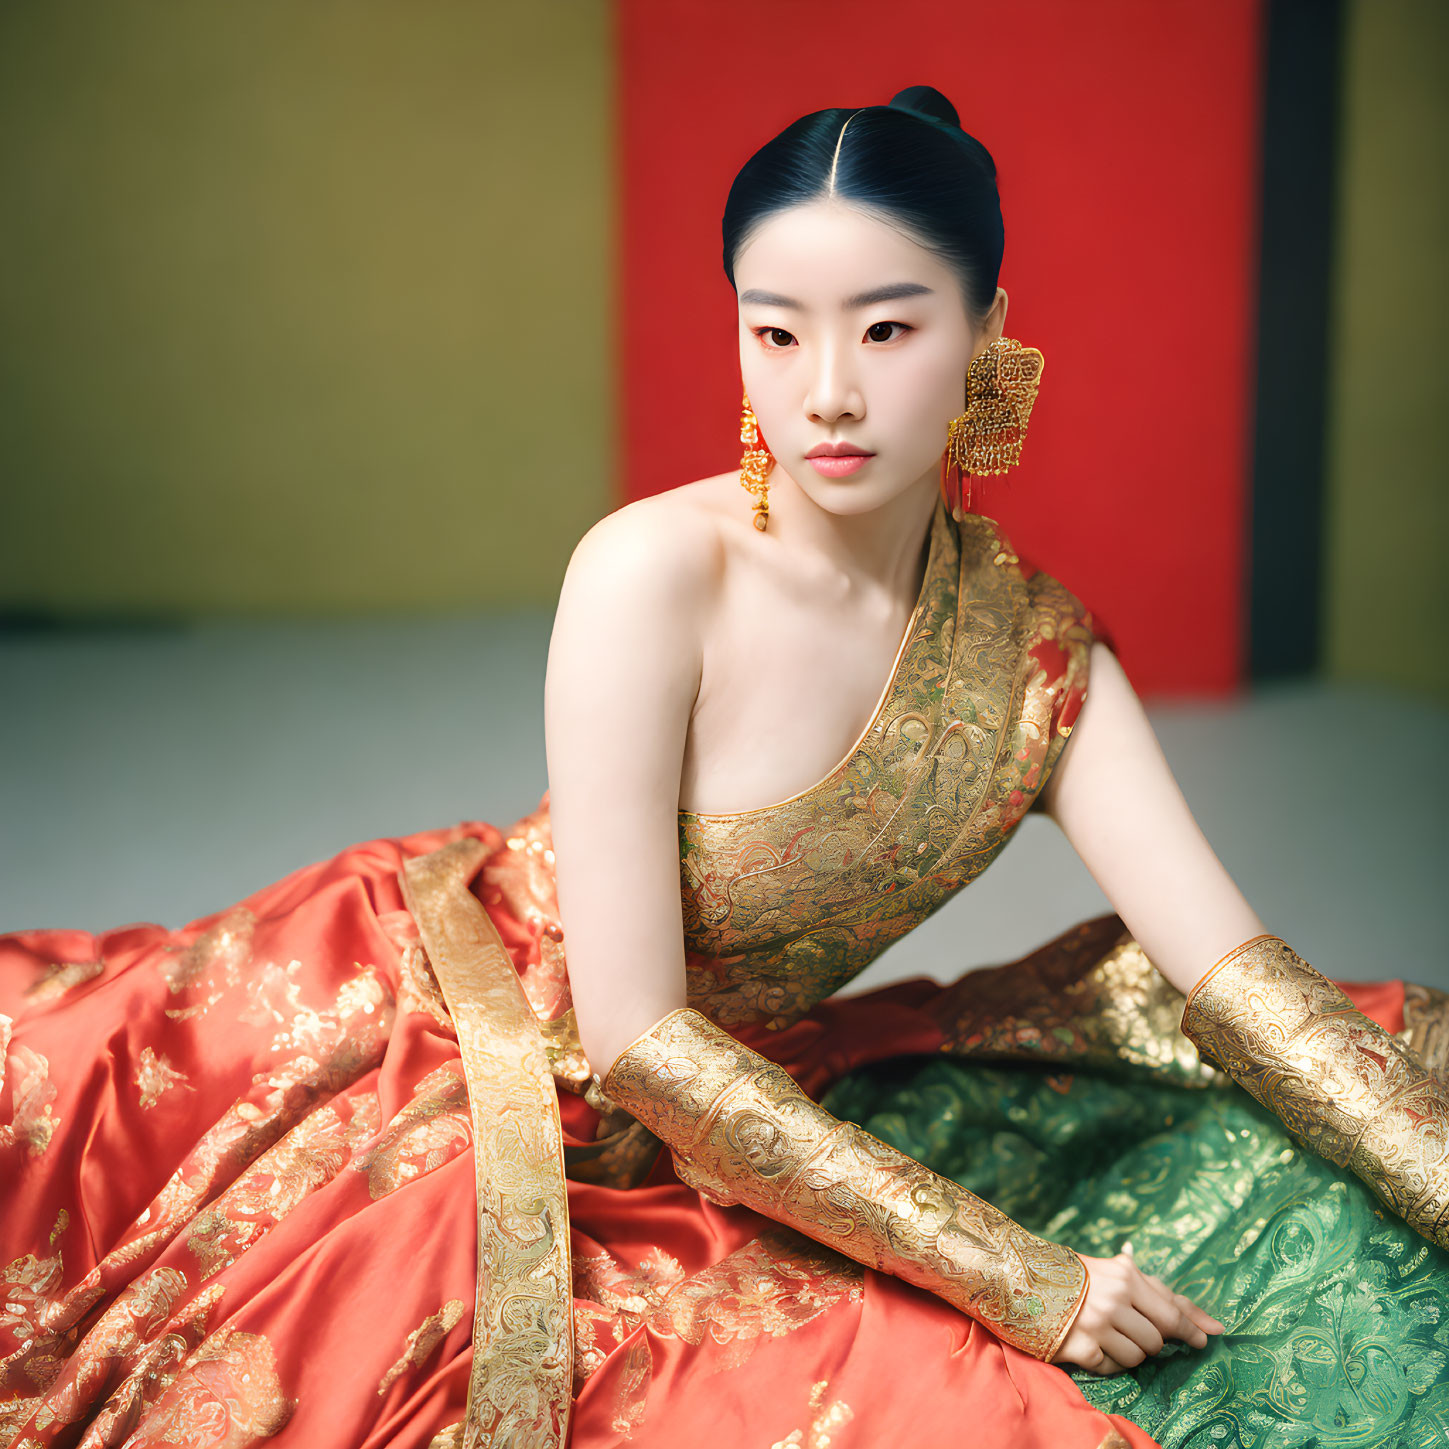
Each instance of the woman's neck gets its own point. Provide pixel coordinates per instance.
(880, 550)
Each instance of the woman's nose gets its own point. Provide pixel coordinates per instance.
(834, 389)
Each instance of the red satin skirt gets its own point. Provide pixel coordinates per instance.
(239, 1207)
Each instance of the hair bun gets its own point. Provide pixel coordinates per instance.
(926, 101)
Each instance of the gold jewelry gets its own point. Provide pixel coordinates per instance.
(1343, 1086)
(755, 465)
(1001, 386)
(741, 1131)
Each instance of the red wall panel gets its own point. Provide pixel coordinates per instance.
(1126, 139)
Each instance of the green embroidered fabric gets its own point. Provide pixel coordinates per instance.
(1337, 1314)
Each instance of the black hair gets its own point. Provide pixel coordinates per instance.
(909, 160)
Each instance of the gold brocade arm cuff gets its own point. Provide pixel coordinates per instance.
(741, 1131)
(1343, 1086)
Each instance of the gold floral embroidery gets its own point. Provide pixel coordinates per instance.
(631, 1399)
(27, 1284)
(142, 1370)
(773, 1285)
(60, 1316)
(59, 977)
(600, 1278)
(823, 1426)
(275, 999)
(228, 1395)
(214, 961)
(153, 1369)
(155, 1075)
(769, 1287)
(13, 1413)
(423, 1340)
(449, 1438)
(420, 990)
(307, 1158)
(32, 1118)
(430, 1130)
(280, 1096)
(333, 1048)
(114, 1349)
(520, 879)
(279, 1099)
(589, 1353)
(109, 1347)
(1088, 998)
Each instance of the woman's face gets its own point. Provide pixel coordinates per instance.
(852, 332)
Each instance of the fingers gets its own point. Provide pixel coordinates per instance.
(1152, 1315)
(1140, 1330)
(1120, 1349)
(1130, 1314)
(1200, 1316)
(1172, 1314)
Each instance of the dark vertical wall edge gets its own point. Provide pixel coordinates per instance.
(1299, 173)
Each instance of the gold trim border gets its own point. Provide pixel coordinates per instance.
(1215, 968)
(520, 1391)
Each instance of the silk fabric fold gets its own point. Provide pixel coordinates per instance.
(241, 1204)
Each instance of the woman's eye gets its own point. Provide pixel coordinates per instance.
(776, 339)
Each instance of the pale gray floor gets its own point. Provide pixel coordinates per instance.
(162, 775)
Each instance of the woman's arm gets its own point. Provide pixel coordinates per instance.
(623, 671)
(1117, 802)
(1343, 1086)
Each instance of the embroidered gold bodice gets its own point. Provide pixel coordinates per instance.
(785, 904)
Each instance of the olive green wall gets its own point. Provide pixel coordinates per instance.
(1387, 592)
(303, 307)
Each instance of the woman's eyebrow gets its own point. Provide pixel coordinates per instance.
(890, 293)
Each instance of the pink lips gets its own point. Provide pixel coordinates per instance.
(835, 460)
(829, 467)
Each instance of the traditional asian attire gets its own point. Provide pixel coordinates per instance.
(328, 1167)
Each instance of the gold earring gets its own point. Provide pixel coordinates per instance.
(755, 465)
(1001, 386)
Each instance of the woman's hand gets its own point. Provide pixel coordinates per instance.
(1127, 1315)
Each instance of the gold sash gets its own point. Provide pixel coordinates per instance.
(521, 1386)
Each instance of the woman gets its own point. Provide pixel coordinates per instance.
(245, 1162)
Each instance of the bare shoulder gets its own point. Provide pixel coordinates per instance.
(663, 551)
(628, 635)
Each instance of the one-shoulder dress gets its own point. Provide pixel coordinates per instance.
(320, 1169)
